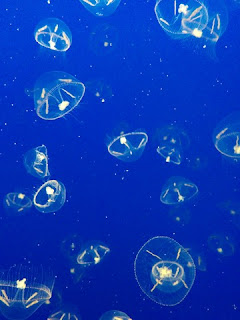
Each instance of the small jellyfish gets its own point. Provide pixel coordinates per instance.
(92, 254)
(172, 141)
(101, 8)
(53, 34)
(164, 270)
(36, 162)
(232, 210)
(115, 315)
(50, 197)
(226, 136)
(197, 160)
(221, 244)
(70, 246)
(56, 94)
(23, 290)
(103, 39)
(178, 190)
(199, 258)
(180, 215)
(101, 90)
(128, 147)
(17, 203)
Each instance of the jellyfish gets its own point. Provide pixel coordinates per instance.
(164, 270)
(195, 19)
(221, 244)
(180, 215)
(172, 141)
(226, 136)
(56, 94)
(178, 190)
(36, 162)
(128, 147)
(92, 254)
(173, 16)
(54, 34)
(100, 89)
(103, 39)
(50, 197)
(17, 203)
(23, 290)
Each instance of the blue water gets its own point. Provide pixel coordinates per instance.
(149, 81)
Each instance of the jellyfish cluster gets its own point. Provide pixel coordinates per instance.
(49, 197)
(164, 269)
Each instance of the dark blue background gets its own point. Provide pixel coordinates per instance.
(155, 81)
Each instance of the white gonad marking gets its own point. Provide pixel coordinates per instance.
(68, 93)
(56, 28)
(213, 25)
(164, 21)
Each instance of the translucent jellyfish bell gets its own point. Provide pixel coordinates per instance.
(101, 7)
(103, 39)
(53, 34)
(178, 190)
(56, 94)
(71, 246)
(92, 254)
(115, 315)
(164, 270)
(128, 147)
(179, 19)
(17, 202)
(23, 290)
(50, 197)
(221, 244)
(180, 215)
(172, 141)
(226, 136)
(100, 89)
(199, 258)
(36, 162)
